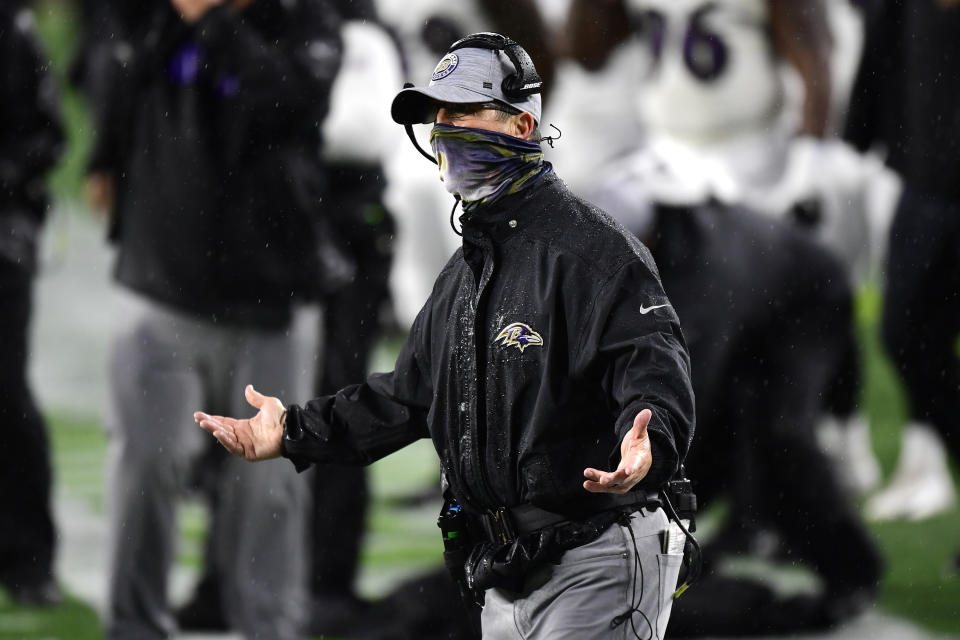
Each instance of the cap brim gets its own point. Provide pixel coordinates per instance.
(417, 105)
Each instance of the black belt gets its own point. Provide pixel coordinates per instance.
(504, 524)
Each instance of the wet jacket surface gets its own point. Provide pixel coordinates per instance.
(543, 338)
(212, 130)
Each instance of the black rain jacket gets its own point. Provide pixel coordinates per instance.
(213, 133)
(543, 338)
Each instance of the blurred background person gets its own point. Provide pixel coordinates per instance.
(31, 141)
(357, 135)
(209, 137)
(770, 152)
(906, 101)
(766, 312)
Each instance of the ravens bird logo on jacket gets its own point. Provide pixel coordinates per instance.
(520, 335)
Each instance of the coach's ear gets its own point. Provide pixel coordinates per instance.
(523, 125)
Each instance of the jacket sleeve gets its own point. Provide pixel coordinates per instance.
(276, 82)
(365, 422)
(110, 109)
(646, 364)
(113, 97)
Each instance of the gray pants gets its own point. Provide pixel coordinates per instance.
(164, 366)
(577, 599)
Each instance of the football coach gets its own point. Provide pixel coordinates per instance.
(547, 367)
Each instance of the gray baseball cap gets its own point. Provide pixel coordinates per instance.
(464, 76)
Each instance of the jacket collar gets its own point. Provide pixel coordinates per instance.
(505, 217)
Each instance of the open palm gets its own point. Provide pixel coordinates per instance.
(256, 438)
(635, 460)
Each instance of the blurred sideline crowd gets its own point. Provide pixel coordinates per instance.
(774, 155)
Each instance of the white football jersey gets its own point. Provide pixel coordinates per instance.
(595, 114)
(706, 52)
(852, 195)
(359, 128)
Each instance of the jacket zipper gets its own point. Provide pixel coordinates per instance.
(478, 437)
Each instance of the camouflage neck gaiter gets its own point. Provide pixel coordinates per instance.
(483, 166)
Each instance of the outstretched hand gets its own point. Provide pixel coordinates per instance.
(635, 460)
(257, 438)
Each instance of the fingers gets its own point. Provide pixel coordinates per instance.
(221, 429)
(229, 442)
(213, 424)
(222, 420)
(633, 440)
(632, 461)
(254, 397)
(640, 423)
(606, 482)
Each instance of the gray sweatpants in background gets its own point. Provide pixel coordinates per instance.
(578, 598)
(164, 366)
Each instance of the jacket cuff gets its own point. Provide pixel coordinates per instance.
(299, 444)
(664, 461)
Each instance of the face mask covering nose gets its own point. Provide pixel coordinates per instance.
(482, 166)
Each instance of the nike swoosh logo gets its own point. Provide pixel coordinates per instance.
(645, 310)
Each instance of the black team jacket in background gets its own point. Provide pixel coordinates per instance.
(510, 424)
(213, 131)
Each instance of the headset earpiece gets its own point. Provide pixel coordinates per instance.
(524, 81)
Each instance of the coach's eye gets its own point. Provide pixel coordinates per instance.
(462, 110)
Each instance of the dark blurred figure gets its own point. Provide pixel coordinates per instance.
(207, 146)
(351, 323)
(30, 143)
(698, 60)
(765, 323)
(906, 100)
(701, 58)
(766, 311)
